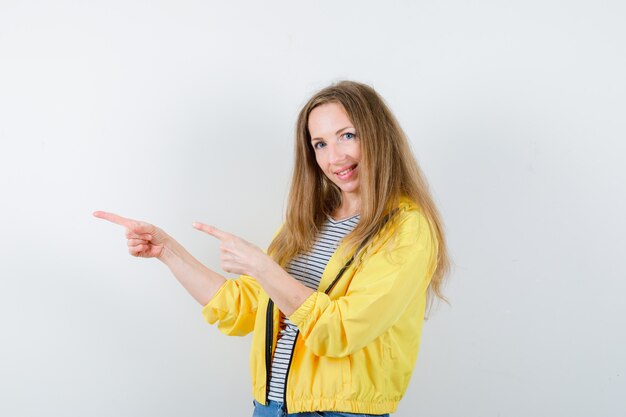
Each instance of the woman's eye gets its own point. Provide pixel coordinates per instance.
(318, 145)
(349, 135)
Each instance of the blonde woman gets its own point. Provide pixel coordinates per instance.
(336, 305)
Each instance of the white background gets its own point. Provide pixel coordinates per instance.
(176, 111)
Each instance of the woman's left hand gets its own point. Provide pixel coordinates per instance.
(237, 255)
(242, 257)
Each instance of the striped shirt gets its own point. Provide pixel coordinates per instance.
(306, 268)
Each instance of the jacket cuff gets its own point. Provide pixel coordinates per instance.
(305, 314)
(212, 307)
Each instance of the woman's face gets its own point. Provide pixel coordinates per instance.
(337, 147)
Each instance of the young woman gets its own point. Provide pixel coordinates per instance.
(336, 305)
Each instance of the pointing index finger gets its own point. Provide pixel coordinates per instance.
(114, 218)
(211, 230)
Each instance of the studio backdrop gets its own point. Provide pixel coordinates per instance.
(180, 111)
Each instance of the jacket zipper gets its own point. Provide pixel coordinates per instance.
(269, 335)
(287, 373)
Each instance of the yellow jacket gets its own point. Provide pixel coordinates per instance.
(357, 345)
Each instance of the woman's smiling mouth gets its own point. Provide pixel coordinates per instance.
(347, 172)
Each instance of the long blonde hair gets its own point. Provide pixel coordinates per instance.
(388, 171)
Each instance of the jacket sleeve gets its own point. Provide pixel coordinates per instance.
(379, 293)
(234, 306)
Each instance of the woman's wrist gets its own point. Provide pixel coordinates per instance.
(264, 267)
(169, 251)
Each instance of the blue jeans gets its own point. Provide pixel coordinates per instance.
(276, 409)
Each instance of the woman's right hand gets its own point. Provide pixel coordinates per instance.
(144, 239)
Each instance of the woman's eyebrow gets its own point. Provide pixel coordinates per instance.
(342, 129)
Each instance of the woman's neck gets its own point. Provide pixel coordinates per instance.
(348, 208)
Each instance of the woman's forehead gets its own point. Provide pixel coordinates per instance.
(328, 119)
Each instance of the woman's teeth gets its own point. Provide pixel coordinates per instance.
(344, 172)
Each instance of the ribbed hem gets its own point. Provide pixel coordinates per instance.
(345, 406)
(334, 404)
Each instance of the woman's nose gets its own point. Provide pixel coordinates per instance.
(336, 154)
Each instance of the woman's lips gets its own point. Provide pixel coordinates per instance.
(346, 173)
